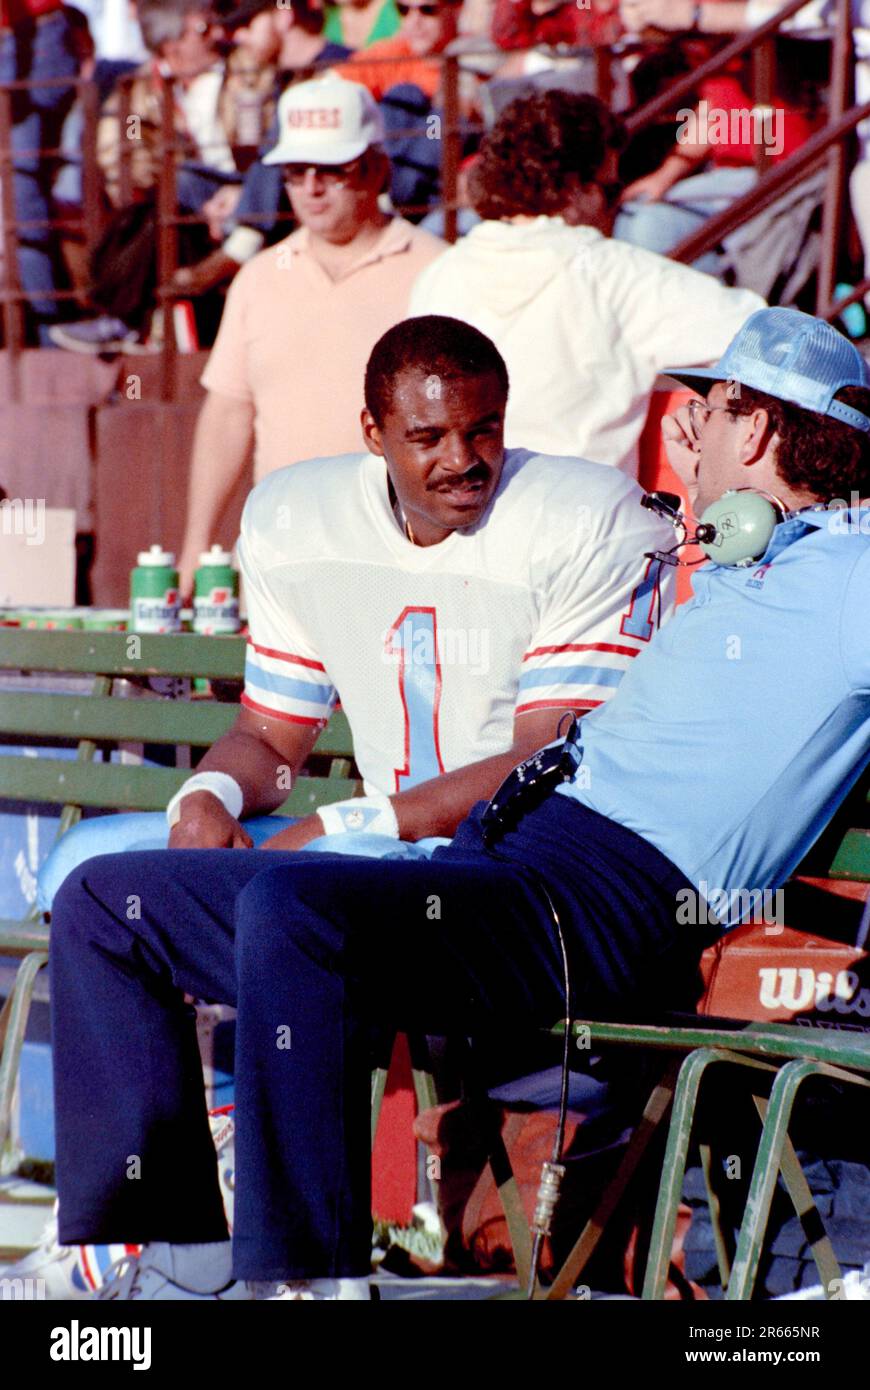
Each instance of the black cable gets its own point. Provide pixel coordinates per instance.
(559, 1137)
(551, 1172)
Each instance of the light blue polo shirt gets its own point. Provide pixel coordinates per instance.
(735, 735)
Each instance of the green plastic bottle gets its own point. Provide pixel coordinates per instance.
(216, 593)
(155, 600)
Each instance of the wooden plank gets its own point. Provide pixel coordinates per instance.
(189, 722)
(132, 786)
(123, 653)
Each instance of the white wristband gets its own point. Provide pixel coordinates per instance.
(220, 784)
(372, 813)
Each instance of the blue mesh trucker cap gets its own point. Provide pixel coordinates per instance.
(792, 355)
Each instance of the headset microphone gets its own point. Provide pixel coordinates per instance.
(734, 530)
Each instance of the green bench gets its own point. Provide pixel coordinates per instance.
(94, 721)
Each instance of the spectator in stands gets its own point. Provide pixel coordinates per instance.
(408, 89)
(528, 23)
(290, 41)
(37, 42)
(360, 23)
(585, 322)
(117, 39)
(300, 317)
(818, 16)
(326, 950)
(182, 37)
(713, 162)
(67, 185)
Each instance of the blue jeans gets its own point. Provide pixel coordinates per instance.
(683, 210)
(317, 952)
(37, 51)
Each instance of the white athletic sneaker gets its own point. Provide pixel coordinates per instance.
(313, 1291)
(63, 1272)
(164, 1271)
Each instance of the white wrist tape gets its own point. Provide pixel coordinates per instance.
(372, 813)
(220, 784)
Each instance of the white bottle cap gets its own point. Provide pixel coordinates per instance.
(216, 556)
(156, 556)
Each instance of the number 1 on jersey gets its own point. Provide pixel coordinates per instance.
(413, 639)
(637, 621)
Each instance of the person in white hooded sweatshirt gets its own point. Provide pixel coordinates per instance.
(585, 323)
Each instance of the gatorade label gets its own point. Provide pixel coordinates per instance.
(157, 612)
(216, 611)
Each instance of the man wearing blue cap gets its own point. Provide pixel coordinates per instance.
(730, 742)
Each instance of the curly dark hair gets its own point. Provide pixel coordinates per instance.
(816, 454)
(540, 147)
(434, 344)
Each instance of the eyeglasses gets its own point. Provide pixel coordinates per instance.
(331, 174)
(426, 9)
(699, 414)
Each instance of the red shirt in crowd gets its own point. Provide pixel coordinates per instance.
(724, 94)
(514, 25)
(14, 12)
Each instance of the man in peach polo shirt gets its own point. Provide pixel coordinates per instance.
(301, 317)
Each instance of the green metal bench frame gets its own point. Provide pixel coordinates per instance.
(786, 1053)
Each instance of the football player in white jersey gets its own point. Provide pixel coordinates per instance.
(461, 599)
(458, 597)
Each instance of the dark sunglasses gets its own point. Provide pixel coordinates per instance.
(426, 9)
(329, 173)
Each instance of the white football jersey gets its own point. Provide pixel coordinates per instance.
(434, 650)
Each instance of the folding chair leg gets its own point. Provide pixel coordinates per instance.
(424, 1089)
(674, 1164)
(13, 1025)
(775, 1155)
(512, 1206)
(720, 1236)
(750, 1242)
(379, 1086)
(674, 1171)
(654, 1112)
(808, 1215)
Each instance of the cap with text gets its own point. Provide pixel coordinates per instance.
(325, 121)
(789, 354)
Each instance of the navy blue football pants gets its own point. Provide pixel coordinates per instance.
(315, 952)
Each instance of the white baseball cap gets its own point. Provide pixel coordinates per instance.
(325, 121)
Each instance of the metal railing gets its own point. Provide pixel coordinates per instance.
(827, 147)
